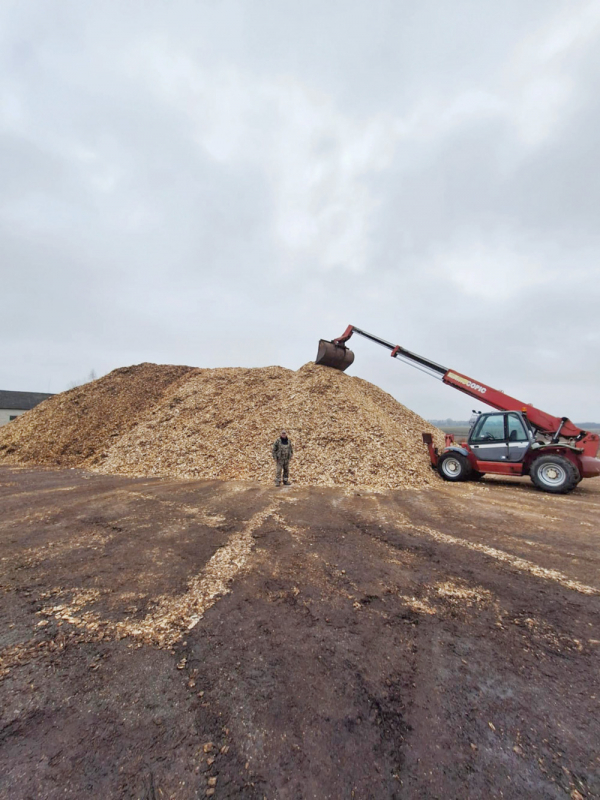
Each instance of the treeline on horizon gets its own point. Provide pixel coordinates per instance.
(461, 423)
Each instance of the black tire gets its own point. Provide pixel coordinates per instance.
(475, 475)
(555, 474)
(454, 467)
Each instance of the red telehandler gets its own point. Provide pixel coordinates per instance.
(518, 439)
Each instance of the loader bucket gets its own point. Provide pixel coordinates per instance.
(334, 355)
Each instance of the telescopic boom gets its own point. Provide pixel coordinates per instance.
(332, 354)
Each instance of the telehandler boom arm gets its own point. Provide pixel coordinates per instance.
(545, 423)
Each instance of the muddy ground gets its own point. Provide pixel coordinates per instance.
(185, 639)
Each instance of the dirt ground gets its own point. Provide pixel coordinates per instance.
(191, 639)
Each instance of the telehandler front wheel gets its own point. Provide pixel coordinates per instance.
(454, 467)
(554, 474)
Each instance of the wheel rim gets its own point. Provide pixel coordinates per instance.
(451, 467)
(552, 474)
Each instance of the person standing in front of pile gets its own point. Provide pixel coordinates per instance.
(282, 454)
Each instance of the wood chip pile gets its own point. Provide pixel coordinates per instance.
(72, 428)
(220, 423)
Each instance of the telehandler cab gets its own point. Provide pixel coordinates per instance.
(517, 439)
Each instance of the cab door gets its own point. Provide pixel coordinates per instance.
(488, 440)
(518, 440)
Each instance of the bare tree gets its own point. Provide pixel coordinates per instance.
(92, 376)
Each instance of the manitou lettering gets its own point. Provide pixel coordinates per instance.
(467, 382)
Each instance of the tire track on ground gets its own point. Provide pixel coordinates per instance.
(173, 616)
(516, 562)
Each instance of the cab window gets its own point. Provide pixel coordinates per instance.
(489, 429)
(516, 430)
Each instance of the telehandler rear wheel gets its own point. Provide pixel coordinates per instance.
(454, 467)
(554, 474)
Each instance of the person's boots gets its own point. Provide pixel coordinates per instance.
(286, 483)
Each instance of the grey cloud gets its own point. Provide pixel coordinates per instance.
(223, 183)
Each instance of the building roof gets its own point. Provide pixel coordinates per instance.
(21, 401)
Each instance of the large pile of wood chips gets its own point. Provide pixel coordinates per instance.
(220, 423)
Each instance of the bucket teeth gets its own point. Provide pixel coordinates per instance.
(336, 356)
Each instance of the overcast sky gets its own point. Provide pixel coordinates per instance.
(223, 183)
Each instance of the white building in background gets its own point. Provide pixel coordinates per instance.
(13, 404)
